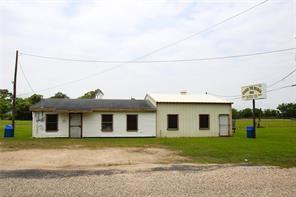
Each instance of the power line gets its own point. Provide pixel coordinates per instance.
(26, 79)
(272, 90)
(153, 61)
(219, 95)
(283, 87)
(164, 47)
(205, 30)
(269, 86)
(161, 61)
(282, 79)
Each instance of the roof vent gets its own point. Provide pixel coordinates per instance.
(183, 92)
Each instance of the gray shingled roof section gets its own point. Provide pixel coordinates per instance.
(92, 104)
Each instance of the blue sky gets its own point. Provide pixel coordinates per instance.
(124, 30)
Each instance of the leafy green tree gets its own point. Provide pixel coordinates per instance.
(235, 113)
(93, 94)
(35, 98)
(246, 113)
(23, 109)
(5, 107)
(287, 110)
(5, 102)
(271, 113)
(22, 105)
(258, 113)
(60, 95)
(5, 94)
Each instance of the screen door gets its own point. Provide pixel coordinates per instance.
(75, 125)
(224, 125)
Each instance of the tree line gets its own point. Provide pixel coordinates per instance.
(284, 110)
(23, 104)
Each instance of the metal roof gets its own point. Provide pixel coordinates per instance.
(186, 98)
(88, 105)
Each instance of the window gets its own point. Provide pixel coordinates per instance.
(132, 122)
(172, 121)
(204, 121)
(51, 122)
(107, 122)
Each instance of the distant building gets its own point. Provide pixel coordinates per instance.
(158, 115)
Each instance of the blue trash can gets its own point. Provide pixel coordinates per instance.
(8, 131)
(250, 132)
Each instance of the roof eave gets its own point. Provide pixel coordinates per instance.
(175, 102)
(91, 110)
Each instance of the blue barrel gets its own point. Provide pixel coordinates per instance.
(250, 132)
(8, 131)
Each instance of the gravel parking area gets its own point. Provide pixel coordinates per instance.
(152, 180)
(148, 179)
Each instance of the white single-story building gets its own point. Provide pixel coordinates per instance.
(78, 118)
(158, 115)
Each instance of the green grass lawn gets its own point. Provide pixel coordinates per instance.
(275, 144)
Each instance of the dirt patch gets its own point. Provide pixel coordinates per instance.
(84, 158)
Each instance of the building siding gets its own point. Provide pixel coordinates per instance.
(189, 119)
(39, 125)
(91, 125)
(146, 125)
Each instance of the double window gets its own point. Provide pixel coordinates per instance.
(204, 121)
(132, 122)
(107, 122)
(173, 122)
(51, 122)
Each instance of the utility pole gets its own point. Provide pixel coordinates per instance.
(14, 90)
(254, 118)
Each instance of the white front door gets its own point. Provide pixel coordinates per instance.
(75, 126)
(224, 125)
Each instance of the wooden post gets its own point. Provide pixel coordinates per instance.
(254, 118)
(14, 91)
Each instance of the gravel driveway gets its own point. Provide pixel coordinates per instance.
(149, 179)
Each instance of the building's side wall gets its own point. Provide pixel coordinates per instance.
(39, 127)
(189, 119)
(146, 125)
